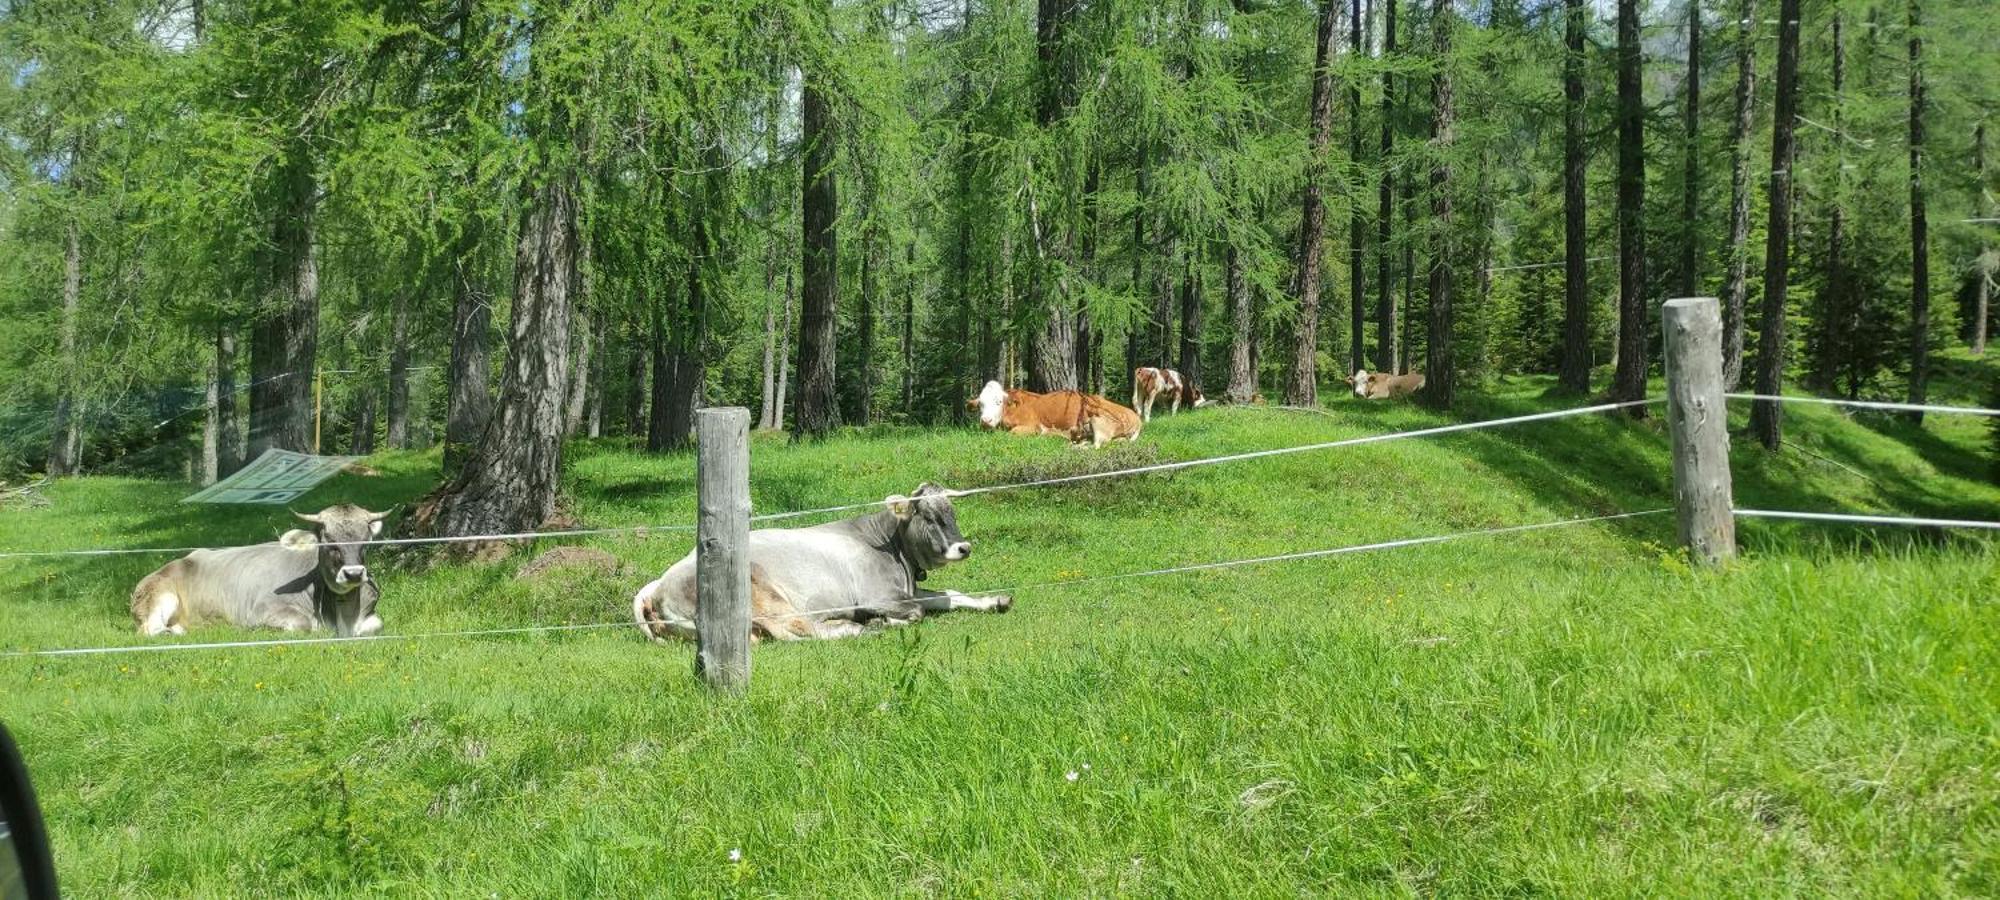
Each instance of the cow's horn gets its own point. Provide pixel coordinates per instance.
(308, 518)
(379, 516)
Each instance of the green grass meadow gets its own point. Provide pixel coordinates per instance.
(1572, 711)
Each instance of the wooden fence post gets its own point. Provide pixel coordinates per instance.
(722, 548)
(1699, 424)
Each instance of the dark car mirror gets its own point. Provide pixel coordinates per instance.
(26, 868)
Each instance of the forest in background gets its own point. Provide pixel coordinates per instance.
(233, 225)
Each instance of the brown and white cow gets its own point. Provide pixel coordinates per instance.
(1075, 415)
(305, 581)
(1149, 385)
(1384, 386)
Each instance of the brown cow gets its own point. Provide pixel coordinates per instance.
(1078, 416)
(1383, 386)
(1149, 385)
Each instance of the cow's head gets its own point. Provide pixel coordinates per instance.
(1360, 381)
(927, 528)
(1194, 398)
(991, 404)
(341, 531)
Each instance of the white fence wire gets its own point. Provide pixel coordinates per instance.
(532, 629)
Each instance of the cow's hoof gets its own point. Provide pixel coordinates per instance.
(1003, 604)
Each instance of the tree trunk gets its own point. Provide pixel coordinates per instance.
(1575, 369)
(1736, 295)
(222, 437)
(1357, 226)
(909, 405)
(1629, 380)
(398, 435)
(1440, 366)
(1408, 319)
(658, 429)
(1920, 237)
(1163, 296)
(864, 405)
(1052, 362)
(1766, 415)
(778, 399)
(469, 402)
(1833, 334)
(1134, 348)
(1982, 269)
(593, 404)
(509, 482)
(363, 442)
(1690, 268)
(284, 344)
(1242, 379)
(1190, 356)
(66, 439)
(577, 389)
(1088, 337)
(641, 346)
(1385, 303)
(819, 410)
(1302, 388)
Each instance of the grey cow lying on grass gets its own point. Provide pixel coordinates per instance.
(829, 581)
(304, 581)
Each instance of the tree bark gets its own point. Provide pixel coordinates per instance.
(766, 414)
(1575, 369)
(658, 429)
(284, 344)
(509, 482)
(1052, 364)
(222, 437)
(577, 388)
(469, 402)
(640, 342)
(398, 432)
(1190, 355)
(819, 410)
(1135, 351)
(1833, 334)
(1736, 295)
(1629, 379)
(363, 442)
(1920, 237)
(1982, 269)
(593, 402)
(1690, 268)
(1242, 379)
(909, 405)
(1766, 416)
(781, 396)
(1440, 365)
(1385, 303)
(66, 438)
(1302, 387)
(864, 405)
(1357, 226)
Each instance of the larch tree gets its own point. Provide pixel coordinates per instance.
(1302, 386)
(1574, 372)
(1385, 303)
(1690, 268)
(1766, 416)
(1920, 236)
(1440, 365)
(1628, 382)
(1735, 292)
(1357, 225)
(818, 404)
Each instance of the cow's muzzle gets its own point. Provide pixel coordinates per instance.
(350, 575)
(958, 551)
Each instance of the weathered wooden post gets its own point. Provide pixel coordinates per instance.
(722, 548)
(1699, 424)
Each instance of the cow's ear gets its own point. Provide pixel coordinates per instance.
(375, 528)
(901, 506)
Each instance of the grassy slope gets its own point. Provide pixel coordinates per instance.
(1596, 718)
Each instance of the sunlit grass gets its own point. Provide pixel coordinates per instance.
(1570, 711)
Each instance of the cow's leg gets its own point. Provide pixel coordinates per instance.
(1176, 408)
(948, 600)
(369, 624)
(160, 614)
(833, 629)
